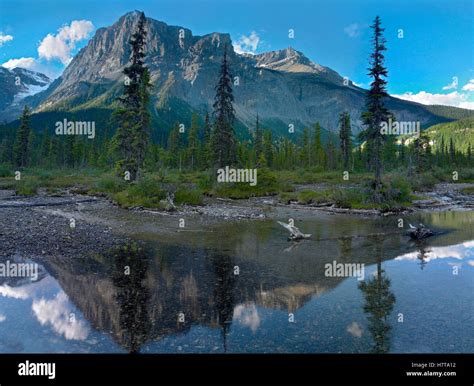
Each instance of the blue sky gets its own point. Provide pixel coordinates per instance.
(437, 42)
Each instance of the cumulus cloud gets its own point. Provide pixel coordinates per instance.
(57, 313)
(454, 98)
(352, 30)
(5, 38)
(247, 44)
(59, 46)
(469, 86)
(54, 46)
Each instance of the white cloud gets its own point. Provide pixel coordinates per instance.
(352, 30)
(54, 46)
(57, 313)
(355, 330)
(247, 44)
(467, 105)
(27, 63)
(2, 318)
(33, 65)
(5, 38)
(457, 251)
(454, 98)
(59, 46)
(14, 292)
(452, 85)
(247, 315)
(469, 86)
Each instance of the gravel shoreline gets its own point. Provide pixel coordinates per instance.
(34, 233)
(29, 227)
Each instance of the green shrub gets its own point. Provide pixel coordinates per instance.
(27, 187)
(351, 198)
(205, 181)
(146, 192)
(109, 184)
(188, 196)
(266, 185)
(287, 197)
(314, 196)
(147, 188)
(423, 181)
(396, 188)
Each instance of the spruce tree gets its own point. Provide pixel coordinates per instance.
(55, 156)
(376, 112)
(193, 144)
(345, 138)
(258, 140)
(45, 147)
(206, 150)
(331, 155)
(31, 152)
(441, 153)
(223, 137)
(174, 145)
(452, 151)
(69, 159)
(305, 149)
(401, 151)
(318, 152)
(268, 147)
(20, 148)
(132, 136)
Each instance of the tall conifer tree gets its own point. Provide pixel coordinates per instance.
(223, 137)
(20, 148)
(376, 112)
(133, 117)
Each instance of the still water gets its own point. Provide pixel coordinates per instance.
(241, 287)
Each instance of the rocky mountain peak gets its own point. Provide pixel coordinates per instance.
(289, 60)
(283, 85)
(19, 83)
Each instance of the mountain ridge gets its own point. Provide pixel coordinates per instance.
(282, 86)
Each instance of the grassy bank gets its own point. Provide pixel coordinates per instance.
(192, 188)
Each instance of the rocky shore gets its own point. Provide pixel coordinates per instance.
(40, 225)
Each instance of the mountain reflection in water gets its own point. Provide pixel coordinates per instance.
(164, 296)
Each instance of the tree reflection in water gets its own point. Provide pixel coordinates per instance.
(224, 292)
(379, 301)
(130, 265)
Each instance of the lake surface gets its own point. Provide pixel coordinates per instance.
(241, 287)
